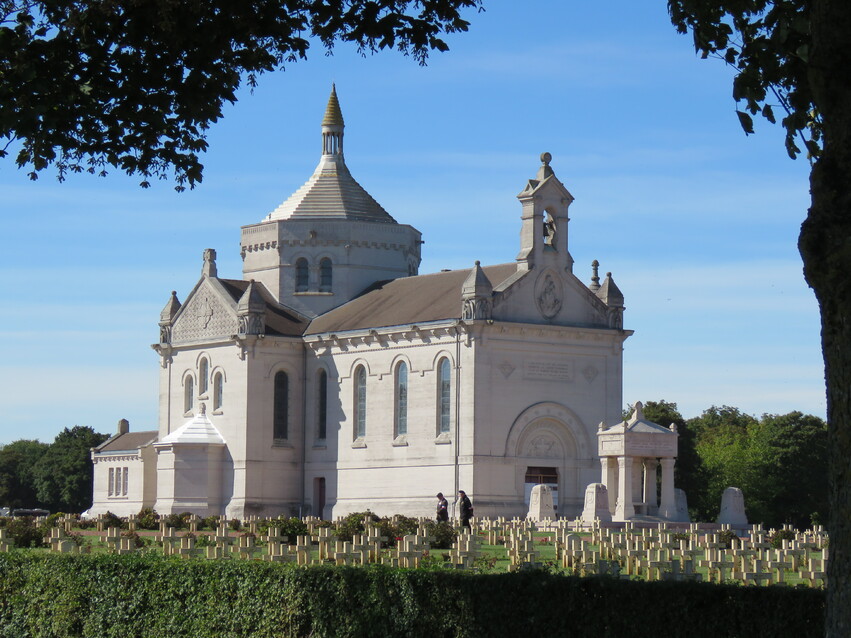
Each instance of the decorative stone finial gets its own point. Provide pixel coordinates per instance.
(545, 171)
(638, 414)
(476, 295)
(595, 276)
(209, 269)
(167, 317)
(251, 311)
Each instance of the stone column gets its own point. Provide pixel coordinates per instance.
(624, 509)
(638, 484)
(650, 497)
(668, 506)
(609, 479)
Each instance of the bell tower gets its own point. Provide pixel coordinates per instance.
(543, 232)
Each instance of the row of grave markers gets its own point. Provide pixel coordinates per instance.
(651, 553)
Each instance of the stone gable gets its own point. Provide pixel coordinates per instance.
(204, 316)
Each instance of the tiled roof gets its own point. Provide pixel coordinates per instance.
(279, 320)
(128, 441)
(406, 301)
(332, 193)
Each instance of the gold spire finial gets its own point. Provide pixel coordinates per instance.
(333, 114)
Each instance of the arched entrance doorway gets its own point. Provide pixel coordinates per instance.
(549, 444)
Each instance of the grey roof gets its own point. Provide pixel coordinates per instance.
(280, 321)
(405, 301)
(332, 193)
(128, 441)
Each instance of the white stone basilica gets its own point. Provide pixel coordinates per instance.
(334, 378)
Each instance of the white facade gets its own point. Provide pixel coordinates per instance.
(339, 380)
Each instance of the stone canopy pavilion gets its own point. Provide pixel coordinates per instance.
(630, 453)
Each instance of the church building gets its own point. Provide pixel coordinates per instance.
(334, 378)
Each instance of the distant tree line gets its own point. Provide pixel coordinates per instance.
(54, 476)
(779, 461)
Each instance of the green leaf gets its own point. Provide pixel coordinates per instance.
(746, 122)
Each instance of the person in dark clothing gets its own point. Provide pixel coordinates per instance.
(442, 508)
(465, 508)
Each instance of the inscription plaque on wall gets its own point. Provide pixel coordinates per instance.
(548, 370)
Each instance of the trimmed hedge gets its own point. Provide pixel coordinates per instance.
(125, 596)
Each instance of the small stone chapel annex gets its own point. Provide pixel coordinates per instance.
(333, 377)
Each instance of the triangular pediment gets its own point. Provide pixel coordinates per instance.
(548, 296)
(209, 312)
(549, 186)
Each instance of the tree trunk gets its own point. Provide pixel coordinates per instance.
(825, 245)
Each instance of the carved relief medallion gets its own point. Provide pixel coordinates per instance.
(548, 294)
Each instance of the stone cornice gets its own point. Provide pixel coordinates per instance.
(406, 336)
(112, 457)
(278, 245)
(389, 337)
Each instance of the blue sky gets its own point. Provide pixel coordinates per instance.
(697, 222)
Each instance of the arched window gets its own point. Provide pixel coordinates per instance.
(203, 374)
(322, 405)
(188, 394)
(301, 275)
(282, 383)
(360, 402)
(444, 395)
(218, 387)
(325, 275)
(401, 408)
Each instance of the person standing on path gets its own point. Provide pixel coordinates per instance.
(466, 508)
(442, 508)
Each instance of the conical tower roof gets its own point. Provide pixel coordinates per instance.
(333, 112)
(331, 192)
